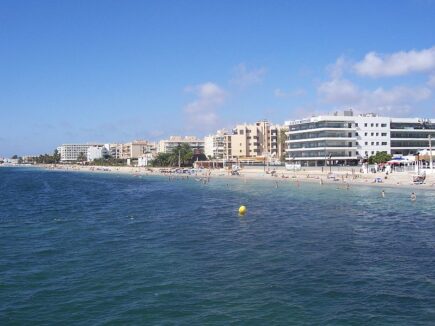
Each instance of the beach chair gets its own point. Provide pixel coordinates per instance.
(418, 179)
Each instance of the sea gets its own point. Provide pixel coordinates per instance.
(82, 248)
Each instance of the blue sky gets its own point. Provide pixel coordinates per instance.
(114, 71)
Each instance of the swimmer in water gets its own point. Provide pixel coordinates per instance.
(383, 194)
(413, 196)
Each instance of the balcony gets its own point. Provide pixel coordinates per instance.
(306, 149)
(338, 138)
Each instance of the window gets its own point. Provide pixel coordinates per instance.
(365, 125)
(383, 125)
(373, 152)
(356, 134)
(241, 132)
(384, 134)
(372, 133)
(356, 124)
(371, 125)
(365, 134)
(366, 143)
(377, 143)
(377, 134)
(384, 143)
(377, 125)
(357, 153)
(356, 143)
(373, 143)
(240, 151)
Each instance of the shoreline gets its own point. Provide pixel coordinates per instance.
(341, 178)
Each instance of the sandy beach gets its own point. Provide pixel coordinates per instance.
(343, 177)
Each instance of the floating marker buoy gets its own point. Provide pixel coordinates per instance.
(242, 210)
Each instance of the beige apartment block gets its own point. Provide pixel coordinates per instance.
(132, 150)
(258, 140)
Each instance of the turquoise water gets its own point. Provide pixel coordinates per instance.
(99, 249)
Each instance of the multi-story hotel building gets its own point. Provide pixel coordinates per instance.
(72, 152)
(347, 139)
(167, 146)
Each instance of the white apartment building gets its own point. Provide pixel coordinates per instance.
(167, 146)
(72, 152)
(96, 153)
(214, 145)
(145, 159)
(347, 139)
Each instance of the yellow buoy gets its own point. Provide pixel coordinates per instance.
(242, 210)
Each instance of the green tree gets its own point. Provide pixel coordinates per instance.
(162, 159)
(56, 156)
(186, 154)
(81, 157)
(379, 157)
(182, 152)
(110, 161)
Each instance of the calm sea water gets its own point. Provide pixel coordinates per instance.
(78, 248)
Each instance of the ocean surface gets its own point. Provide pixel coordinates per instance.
(103, 249)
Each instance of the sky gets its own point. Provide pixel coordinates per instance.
(114, 71)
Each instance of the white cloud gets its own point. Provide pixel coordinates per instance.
(201, 112)
(339, 91)
(396, 64)
(431, 81)
(344, 92)
(337, 69)
(295, 93)
(243, 77)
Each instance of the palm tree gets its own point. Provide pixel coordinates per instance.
(81, 157)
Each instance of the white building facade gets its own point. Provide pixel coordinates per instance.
(97, 153)
(167, 146)
(72, 152)
(214, 145)
(348, 139)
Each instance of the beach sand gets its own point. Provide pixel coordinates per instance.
(343, 178)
